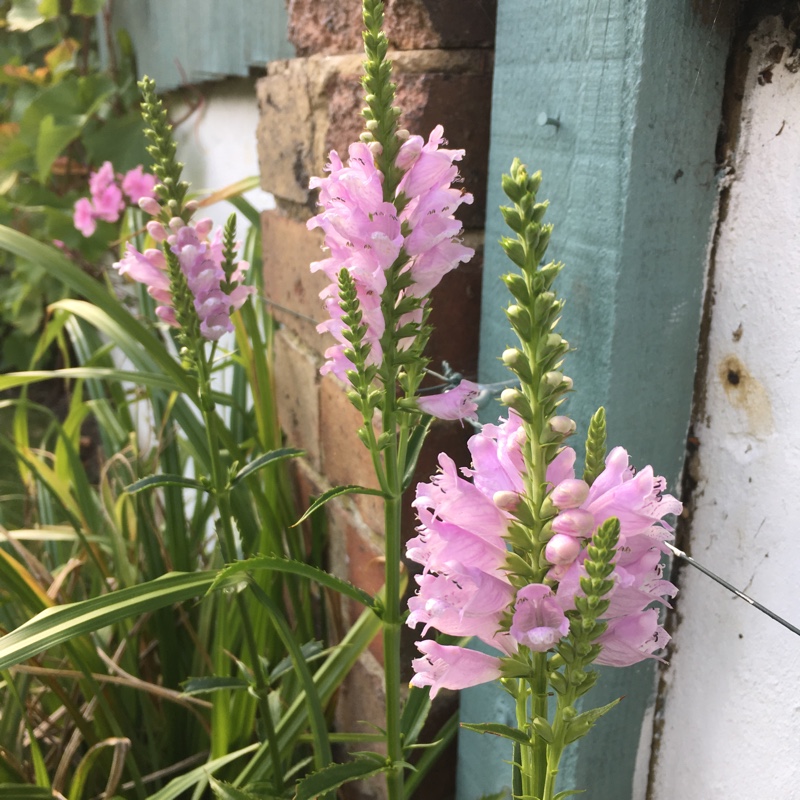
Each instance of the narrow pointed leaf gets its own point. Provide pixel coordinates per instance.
(583, 723)
(334, 776)
(266, 460)
(568, 793)
(227, 792)
(152, 481)
(497, 729)
(414, 447)
(337, 491)
(212, 683)
(233, 573)
(62, 623)
(13, 791)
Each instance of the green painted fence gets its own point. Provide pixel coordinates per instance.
(636, 88)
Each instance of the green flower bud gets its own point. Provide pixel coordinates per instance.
(513, 398)
(520, 320)
(516, 361)
(517, 286)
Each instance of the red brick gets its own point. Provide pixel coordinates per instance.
(292, 290)
(310, 106)
(316, 26)
(297, 396)
(345, 460)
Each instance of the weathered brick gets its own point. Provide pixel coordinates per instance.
(292, 290)
(345, 460)
(297, 395)
(310, 106)
(335, 27)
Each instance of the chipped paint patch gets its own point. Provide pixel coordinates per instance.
(748, 394)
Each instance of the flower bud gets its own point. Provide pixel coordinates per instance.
(150, 206)
(574, 522)
(562, 425)
(520, 320)
(191, 206)
(506, 500)
(156, 230)
(570, 493)
(204, 226)
(516, 361)
(513, 398)
(562, 549)
(175, 224)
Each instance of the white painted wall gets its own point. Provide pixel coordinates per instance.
(731, 713)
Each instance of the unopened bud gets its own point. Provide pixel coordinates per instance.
(513, 398)
(156, 230)
(562, 425)
(175, 224)
(516, 361)
(204, 226)
(520, 320)
(562, 549)
(570, 493)
(191, 206)
(150, 206)
(574, 522)
(506, 500)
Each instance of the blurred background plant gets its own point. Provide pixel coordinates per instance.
(124, 684)
(62, 113)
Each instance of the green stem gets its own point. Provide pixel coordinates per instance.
(391, 620)
(539, 709)
(523, 724)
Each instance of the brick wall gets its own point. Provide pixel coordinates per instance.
(308, 106)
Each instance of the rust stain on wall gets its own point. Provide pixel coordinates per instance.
(748, 394)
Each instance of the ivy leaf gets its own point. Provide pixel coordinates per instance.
(24, 16)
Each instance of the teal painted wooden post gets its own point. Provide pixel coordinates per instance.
(636, 86)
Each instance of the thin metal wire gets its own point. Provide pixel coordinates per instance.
(722, 582)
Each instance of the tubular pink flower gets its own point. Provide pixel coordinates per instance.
(456, 403)
(200, 261)
(139, 185)
(367, 235)
(538, 622)
(631, 639)
(446, 667)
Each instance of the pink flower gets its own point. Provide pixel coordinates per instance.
(200, 261)
(445, 667)
(83, 217)
(366, 235)
(631, 639)
(456, 403)
(538, 621)
(139, 185)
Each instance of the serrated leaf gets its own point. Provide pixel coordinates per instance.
(266, 460)
(334, 776)
(153, 481)
(228, 575)
(582, 724)
(196, 686)
(496, 729)
(225, 791)
(337, 491)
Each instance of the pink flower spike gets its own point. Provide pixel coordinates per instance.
(83, 217)
(139, 185)
(104, 177)
(538, 622)
(447, 667)
(108, 203)
(456, 403)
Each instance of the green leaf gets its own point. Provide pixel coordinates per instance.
(12, 380)
(211, 684)
(334, 776)
(414, 447)
(229, 575)
(266, 460)
(415, 712)
(337, 491)
(568, 793)
(49, 8)
(62, 623)
(225, 791)
(582, 724)
(13, 791)
(152, 481)
(51, 142)
(87, 8)
(497, 729)
(200, 775)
